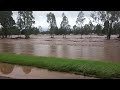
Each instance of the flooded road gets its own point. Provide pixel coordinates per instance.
(95, 48)
(26, 72)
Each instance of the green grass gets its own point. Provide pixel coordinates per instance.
(84, 67)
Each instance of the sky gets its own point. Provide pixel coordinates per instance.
(41, 19)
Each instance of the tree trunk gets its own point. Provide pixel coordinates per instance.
(50, 35)
(2, 35)
(108, 36)
(119, 36)
(27, 36)
(65, 35)
(81, 36)
(53, 35)
(109, 31)
(5, 35)
(90, 34)
(6, 32)
(20, 33)
(11, 36)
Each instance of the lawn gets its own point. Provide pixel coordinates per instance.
(78, 66)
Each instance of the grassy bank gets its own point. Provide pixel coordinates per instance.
(85, 67)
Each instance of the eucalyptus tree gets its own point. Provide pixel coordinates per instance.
(25, 22)
(64, 25)
(80, 21)
(20, 22)
(7, 21)
(91, 27)
(52, 23)
(108, 18)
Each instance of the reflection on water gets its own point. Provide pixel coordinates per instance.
(6, 47)
(23, 48)
(53, 50)
(111, 52)
(6, 68)
(81, 48)
(26, 69)
(65, 51)
(25, 72)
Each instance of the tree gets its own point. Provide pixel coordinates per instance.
(96, 16)
(52, 21)
(14, 31)
(25, 21)
(34, 30)
(7, 22)
(81, 29)
(116, 28)
(109, 17)
(91, 27)
(79, 22)
(20, 22)
(64, 25)
(98, 29)
(86, 29)
(74, 29)
(56, 31)
(0, 31)
(60, 31)
(69, 31)
(11, 24)
(106, 26)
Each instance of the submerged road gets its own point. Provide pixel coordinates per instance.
(9, 71)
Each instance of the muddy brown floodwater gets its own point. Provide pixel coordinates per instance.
(94, 48)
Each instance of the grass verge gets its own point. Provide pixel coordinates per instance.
(85, 67)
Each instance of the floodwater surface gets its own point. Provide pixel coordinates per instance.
(27, 72)
(95, 48)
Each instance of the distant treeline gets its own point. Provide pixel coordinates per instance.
(107, 23)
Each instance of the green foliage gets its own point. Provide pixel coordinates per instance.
(75, 30)
(107, 23)
(116, 28)
(98, 29)
(64, 26)
(6, 21)
(14, 31)
(79, 22)
(53, 26)
(80, 19)
(25, 21)
(34, 30)
(108, 17)
(87, 29)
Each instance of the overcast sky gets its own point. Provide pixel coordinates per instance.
(41, 19)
